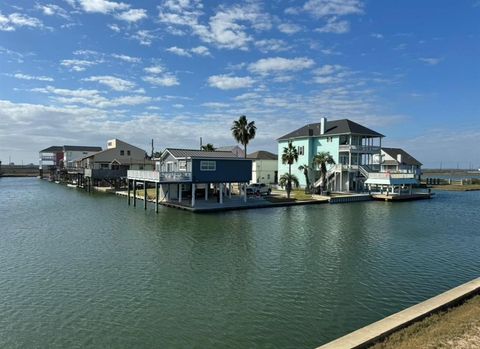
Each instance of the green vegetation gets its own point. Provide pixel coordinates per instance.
(208, 147)
(457, 328)
(243, 131)
(289, 156)
(321, 160)
(457, 187)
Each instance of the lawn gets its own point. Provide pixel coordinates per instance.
(458, 328)
(455, 187)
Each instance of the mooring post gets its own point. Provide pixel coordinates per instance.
(156, 195)
(134, 193)
(145, 195)
(128, 191)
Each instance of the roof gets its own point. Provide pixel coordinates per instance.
(61, 148)
(335, 127)
(194, 153)
(407, 159)
(262, 155)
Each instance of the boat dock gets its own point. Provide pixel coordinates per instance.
(403, 197)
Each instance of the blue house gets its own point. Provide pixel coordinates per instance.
(187, 174)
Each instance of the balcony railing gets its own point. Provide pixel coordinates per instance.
(387, 175)
(104, 173)
(359, 148)
(156, 176)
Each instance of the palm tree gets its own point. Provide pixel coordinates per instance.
(321, 160)
(289, 156)
(286, 180)
(305, 168)
(243, 131)
(208, 147)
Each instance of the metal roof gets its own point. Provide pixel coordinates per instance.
(61, 148)
(407, 159)
(52, 149)
(194, 153)
(334, 127)
(262, 155)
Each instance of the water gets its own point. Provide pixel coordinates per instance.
(87, 271)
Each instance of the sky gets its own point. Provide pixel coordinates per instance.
(79, 72)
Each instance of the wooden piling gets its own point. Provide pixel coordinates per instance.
(145, 195)
(156, 195)
(128, 191)
(134, 193)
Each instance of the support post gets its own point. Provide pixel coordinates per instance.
(145, 195)
(134, 193)
(128, 191)
(193, 194)
(221, 193)
(229, 190)
(179, 193)
(245, 192)
(207, 187)
(156, 195)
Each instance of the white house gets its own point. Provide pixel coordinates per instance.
(396, 160)
(264, 167)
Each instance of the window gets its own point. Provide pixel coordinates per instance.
(329, 139)
(122, 152)
(104, 166)
(128, 152)
(182, 165)
(208, 165)
(301, 150)
(268, 176)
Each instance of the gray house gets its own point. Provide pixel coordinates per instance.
(188, 174)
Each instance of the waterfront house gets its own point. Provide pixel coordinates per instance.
(356, 150)
(182, 175)
(264, 167)
(58, 157)
(398, 160)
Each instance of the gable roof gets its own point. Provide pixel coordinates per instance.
(407, 159)
(195, 153)
(262, 155)
(52, 149)
(335, 127)
(61, 148)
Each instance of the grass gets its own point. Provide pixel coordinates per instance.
(456, 187)
(457, 327)
(150, 193)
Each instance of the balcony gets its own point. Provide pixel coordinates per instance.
(359, 148)
(387, 175)
(105, 173)
(156, 176)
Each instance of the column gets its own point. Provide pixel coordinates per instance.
(193, 194)
(245, 192)
(134, 193)
(128, 191)
(179, 192)
(157, 194)
(145, 195)
(207, 186)
(220, 193)
(230, 190)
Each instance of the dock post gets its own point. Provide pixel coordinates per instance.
(245, 192)
(207, 187)
(229, 190)
(193, 194)
(156, 195)
(179, 193)
(145, 195)
(134, 193)
(128, 191)
(220, 194)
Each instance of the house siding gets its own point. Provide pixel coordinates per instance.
(234, 170)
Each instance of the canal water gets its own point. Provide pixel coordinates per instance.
(81, 270)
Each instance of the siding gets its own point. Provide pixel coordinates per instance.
(226, 171)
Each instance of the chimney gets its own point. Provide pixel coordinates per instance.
(323, 121)
(399, 158)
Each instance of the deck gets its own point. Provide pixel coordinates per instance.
(160, 177)
(403, 197)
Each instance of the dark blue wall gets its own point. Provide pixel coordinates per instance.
(235, 170)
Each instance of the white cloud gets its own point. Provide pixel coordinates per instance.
(52, 10)
(271, 45)
(154, 69)
(279, 64)
(289, 28)
(114, 27)
(330, 74)
(376, 35)
(132, 15)
(322, 8)
(126, 58)
(102, 6)
(166, 80)
(77, 65)
(335, 26)
(430, 60)
(144, 37)
(201, 51)
(31, 77)
(225, 29)
(215, 105)
(225, 82)
(16, 20)
(113, 82)
(178, 51)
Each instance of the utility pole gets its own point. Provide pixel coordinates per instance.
(151, 156)
(201, 143)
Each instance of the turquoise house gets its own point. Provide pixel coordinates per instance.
(355, 149)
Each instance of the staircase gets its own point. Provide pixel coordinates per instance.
(328, 177)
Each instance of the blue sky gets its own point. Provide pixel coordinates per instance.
(83, 71)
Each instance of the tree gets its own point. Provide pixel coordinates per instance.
(305, 168)
(208, 147)
(321, 160)
(289, 156)
(286, 180)
(243, 131)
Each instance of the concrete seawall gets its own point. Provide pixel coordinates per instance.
(368, 335)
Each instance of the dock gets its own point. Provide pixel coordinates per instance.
(403, 197)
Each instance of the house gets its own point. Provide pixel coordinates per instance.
(235, 149)
(264, 167)
(63, 157)
(399, 161)
(351, 145)
(185, 174)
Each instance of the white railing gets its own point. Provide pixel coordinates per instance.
(388, 175)
(157, 176)
(359, 148)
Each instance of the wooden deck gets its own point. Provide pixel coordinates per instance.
(403, 197)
